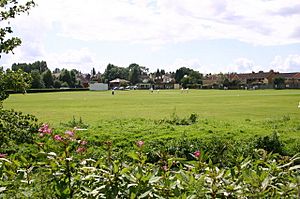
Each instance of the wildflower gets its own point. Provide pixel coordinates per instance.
(81, 150)
(70, 133)
(140, 143)
(83, 142)
(58, 138)
(41, 134)
(165, 168)
(197, 154)
(2, 155)
(45, 129)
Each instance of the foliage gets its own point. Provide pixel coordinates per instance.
(10, 9)
(174, 119)
(64, 169)
(37, 81)
(279, 82)
(47, 78)
(15, 129)
(40, 66)
(75, 123)
(14, 80)
(270, 143)
(112, 72)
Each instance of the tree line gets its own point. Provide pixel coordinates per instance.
(43, 77)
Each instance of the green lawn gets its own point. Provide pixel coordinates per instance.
(213, 104)
(134, 115)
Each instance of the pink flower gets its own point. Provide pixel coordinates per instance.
(140, 143)
(197, 154)
(58, 138)
(45, 129)
(83, 142)
(70, 133)
(165, 168)
(81, 150)
(2, 155)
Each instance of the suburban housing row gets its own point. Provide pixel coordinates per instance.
(259, 80)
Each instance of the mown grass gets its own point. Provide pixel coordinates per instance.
(136, 115)
(94, 107)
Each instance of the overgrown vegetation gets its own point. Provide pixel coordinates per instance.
(75, 123)
(65, 168)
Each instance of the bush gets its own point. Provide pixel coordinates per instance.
(63, 170)
(175, 120)
(270, 143)
(16, 129)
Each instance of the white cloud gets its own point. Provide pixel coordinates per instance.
(242, 65)
(193, 64)
(156, 22)
(289, 64)
(162, 21)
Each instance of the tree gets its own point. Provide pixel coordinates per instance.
(37, 81)
(57, 84)
(47, 78)
(65, 77)
(93, 72)
(10, 9)
(279, 82)
(112, 72)
(14, 80)
(41, 66)
(73, 78)
(181, 72)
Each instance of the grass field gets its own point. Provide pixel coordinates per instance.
(94, 107)
(230, 128)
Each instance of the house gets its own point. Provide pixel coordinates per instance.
(98, 87)
(291, 80)
(118, 83)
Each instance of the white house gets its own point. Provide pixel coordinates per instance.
(98, 87)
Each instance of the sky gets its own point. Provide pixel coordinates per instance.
(210, 36)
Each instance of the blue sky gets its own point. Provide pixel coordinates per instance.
(209, 36)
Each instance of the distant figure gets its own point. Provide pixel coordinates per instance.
(151, 90)
(157, 90)
(187, 90)
(299, 105)
(112, 91)
(182, 90)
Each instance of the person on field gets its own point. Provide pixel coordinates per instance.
(112, 91)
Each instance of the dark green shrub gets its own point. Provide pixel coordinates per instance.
(16, 129)
(75, 123)
(270, 143)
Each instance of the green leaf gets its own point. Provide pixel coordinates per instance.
(133, 155)
(2, 189)
(294, 167)
(144, 195)
(154, 179)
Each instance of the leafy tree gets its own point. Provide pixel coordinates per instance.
(41, 66)
(57, 84)
(37, 81)
(181, 72)
(134, 73)
(112, 72)
(47, 78)
(279, 82)
(14, 80)
(65, 77)
(73, 78)
(10, 9)
(93, 72)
